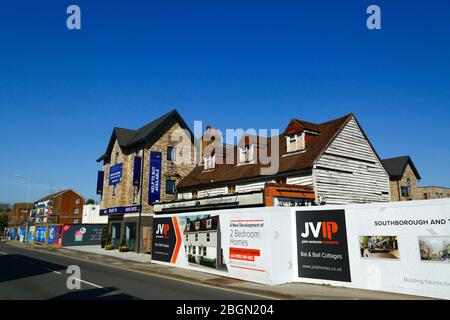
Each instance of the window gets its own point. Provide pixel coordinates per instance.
(204, 251)
(210, 162)
(171, 153)
(193, 249)
(188, 226)
(197, 225)
(208, 237)
(187, 237)
(232, 188)
(246, 154)
(196, 237)
(75, 220)
(117, 158)
(425, 195)
(170, 186)
(76, 211)
(114, 190)
(404, 191)
(135, 194)
(295, 143)
(194, 194)
(208, 223)
(77, 201)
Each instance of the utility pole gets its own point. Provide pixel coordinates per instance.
(29, 188)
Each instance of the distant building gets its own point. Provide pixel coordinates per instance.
(65, 207)
(404, 178)
(91, 215)
(21, 213)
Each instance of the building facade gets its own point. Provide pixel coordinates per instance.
(404, 181)
(91, 215)
(65, 207)
(327, 163)
(140, 168)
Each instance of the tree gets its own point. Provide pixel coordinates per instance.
(3, 222)
(90, 201)
(4, 207)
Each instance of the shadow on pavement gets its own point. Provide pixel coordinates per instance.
(17, 266)
(95, 294)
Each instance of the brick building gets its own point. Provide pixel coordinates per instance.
(21, 213)
(163, 152)
(65, 207)
(404, 181)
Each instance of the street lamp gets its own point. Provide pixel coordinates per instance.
(29, 188)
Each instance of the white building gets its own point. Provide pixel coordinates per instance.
(91, 214)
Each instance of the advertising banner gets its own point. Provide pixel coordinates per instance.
(120, 210)
(115, 174)
(82, 234)
(100, 178)
(54, 235)
(41, 234)
(234, 243)
(137, 172)
(155, 177)
(22, 234)
(322, 245)
(31, 231)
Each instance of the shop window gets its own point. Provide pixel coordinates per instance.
(170, 186)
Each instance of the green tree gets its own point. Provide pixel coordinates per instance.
(3, 222)
(90, 201)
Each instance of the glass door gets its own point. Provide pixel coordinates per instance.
(115, 234)
(130, 234)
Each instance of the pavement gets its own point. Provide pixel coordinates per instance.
(131, 256)
(137, 279)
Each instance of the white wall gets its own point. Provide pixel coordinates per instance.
(349, 171)
(91, 214)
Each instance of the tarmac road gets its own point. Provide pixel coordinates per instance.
(28, 274)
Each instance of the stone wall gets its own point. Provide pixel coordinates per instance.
(433, 192)
(414, 193)
(168, 136)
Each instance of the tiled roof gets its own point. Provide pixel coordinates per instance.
(293, 162)
(395, 167)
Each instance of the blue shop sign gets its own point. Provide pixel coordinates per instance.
(120, 210)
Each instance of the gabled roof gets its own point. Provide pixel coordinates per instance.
(396, 167)
(57, 194)
(296, 126)
(128, 138)
(224, 173)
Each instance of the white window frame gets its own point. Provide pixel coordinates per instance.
(209, 162)
(208, 237)
(299, 142)
(196, 237)
(208, 224)
(188, 226)
(246, 154)
(197, 225)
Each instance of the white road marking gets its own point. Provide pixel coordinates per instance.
(48, 269)
(3, 253)
(89, 283)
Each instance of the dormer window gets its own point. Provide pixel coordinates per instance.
(188, 226)
(208, 223)
(209, 162)
(246, 154)
(197, 225)
(295, 142)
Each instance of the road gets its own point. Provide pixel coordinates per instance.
(28, 274)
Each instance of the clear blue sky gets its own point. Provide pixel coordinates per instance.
(227, 63)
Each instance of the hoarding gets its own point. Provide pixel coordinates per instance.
(54, 235)
(41, 234)
(82, 234)
(234, 243)
(31, 231)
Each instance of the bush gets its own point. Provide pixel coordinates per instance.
(106, 238)
(208, 262)
(191, 258)
(109, 246)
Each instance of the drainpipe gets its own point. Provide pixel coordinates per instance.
(141, 186)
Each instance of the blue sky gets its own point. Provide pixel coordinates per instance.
(244, 64)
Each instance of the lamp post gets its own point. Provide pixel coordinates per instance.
(29, 188)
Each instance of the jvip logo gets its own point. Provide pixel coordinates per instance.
(162, 229)
(328, 229)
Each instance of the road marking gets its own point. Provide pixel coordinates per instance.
(3, 253)
(48, 269)
(89, 283)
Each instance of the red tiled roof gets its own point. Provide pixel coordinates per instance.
(223, 173)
